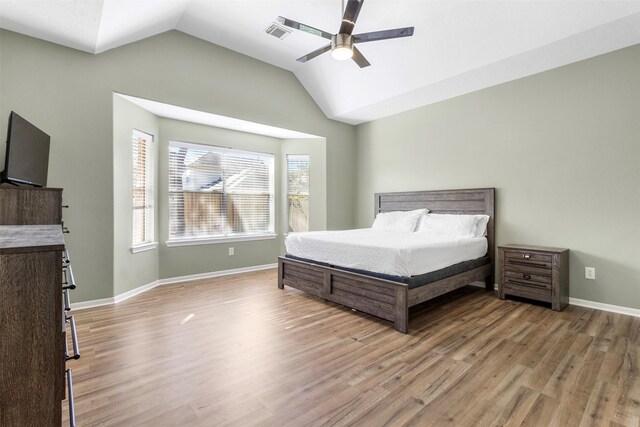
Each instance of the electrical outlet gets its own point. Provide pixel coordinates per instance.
(590, 273)
(231, 252)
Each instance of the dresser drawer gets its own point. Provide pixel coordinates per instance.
(528, 279)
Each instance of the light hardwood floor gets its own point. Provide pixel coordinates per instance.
(236, 350)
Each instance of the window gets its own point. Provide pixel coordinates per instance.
(142, 191)
(219, 193)
(298, 193)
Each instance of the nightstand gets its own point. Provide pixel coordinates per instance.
(535, 272)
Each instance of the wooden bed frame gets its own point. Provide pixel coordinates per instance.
(384, 298)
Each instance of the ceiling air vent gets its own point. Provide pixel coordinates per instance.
(277, 31)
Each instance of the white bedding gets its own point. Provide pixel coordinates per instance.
(397, 254)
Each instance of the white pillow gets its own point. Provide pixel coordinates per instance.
(449, 225)
(481, 225)
(398, 221)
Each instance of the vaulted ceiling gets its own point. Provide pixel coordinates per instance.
(458, 46)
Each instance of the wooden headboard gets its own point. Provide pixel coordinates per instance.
(476, 201)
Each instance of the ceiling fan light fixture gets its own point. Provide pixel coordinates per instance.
(342, 47)
(342, 53)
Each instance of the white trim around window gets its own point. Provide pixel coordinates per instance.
(298, 167)
(219, 194)
(143, 247)
(212, 240)
(143, 190)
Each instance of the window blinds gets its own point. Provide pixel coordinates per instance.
(142, 144)
(219, 192)
(298, 192)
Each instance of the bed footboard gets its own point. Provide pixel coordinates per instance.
(441, 287)
(378, 297)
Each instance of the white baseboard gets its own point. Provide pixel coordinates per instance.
(179, 279)
(92, 303)
(605, 307)
(168, 281)
(136, 291)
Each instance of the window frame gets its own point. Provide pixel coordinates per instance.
(226, 236)
(148, 233)
(298, 158)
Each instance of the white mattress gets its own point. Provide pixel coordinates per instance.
(397, 254)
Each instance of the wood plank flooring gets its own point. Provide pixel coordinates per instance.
(237, 351)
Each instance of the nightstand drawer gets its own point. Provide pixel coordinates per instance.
(536, 293)
(528, 279)
(528, 269)
(517, 262)
(527, 257)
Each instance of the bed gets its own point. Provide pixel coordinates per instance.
(389, 296)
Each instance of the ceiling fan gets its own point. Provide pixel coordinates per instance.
(342, 45)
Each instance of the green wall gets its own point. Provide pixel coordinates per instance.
(130, 270)
(562, 149)
(69, 94)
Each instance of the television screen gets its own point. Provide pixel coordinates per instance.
(27, 158)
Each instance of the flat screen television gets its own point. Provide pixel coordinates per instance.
(27, 156)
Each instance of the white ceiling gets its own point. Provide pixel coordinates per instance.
(458, 46)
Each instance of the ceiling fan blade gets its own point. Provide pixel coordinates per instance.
(359, 58)
(383, 35)
(350, 16)
(315, 53)
(303, 27)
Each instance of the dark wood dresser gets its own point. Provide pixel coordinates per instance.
(35, 279)
(535, 272)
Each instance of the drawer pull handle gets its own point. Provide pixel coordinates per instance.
(74, 340)
(72, 406)
(526, 276)
(70, 282)
(67, 303)
(526, 256)
(64, 324)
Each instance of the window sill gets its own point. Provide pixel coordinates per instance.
(214, 240)
(143, 247)
(292, 232)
